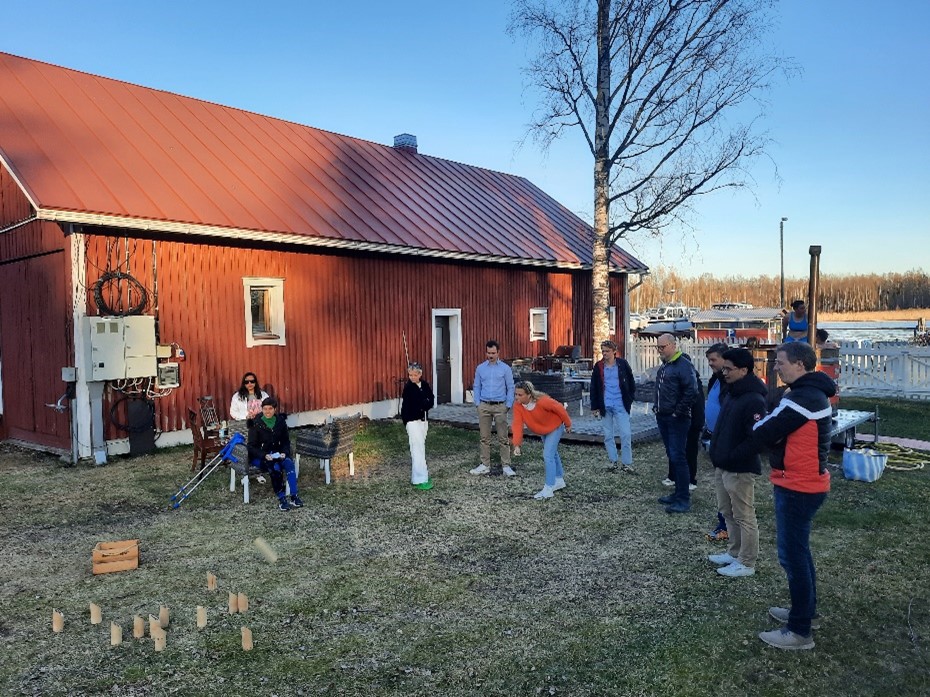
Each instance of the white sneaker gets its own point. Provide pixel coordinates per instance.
(559, 484)
(736, 569)
(668, 482)
(692, 487)
(546, 493)
(480, 469)
(722, 559)
(508, 470)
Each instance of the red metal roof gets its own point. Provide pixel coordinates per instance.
(93, 150)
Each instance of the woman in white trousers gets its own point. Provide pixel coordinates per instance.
(417, 400)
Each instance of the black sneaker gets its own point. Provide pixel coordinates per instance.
(283, 505)
(296, 502)
(667, 499)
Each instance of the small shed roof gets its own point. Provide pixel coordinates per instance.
(93, 150)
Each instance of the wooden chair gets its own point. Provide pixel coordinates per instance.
(205, 445)
(328, 441)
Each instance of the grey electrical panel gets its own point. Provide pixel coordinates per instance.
(121, 347)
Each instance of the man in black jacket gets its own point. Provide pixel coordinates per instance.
(270, 450)
(735, 477)
(676, 388)
(612, 390)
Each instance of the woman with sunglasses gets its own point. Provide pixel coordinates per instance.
(246, 403)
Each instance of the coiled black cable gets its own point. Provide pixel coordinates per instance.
(118, 276)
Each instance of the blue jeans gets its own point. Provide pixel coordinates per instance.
(551, 455)
(674, 432)
(616, 422)
(277, 470)
(794, 513)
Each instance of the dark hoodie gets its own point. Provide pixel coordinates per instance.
(798, 434)
(743, 406)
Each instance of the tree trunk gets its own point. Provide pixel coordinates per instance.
(599, 267)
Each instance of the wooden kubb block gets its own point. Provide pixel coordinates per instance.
(121, 555)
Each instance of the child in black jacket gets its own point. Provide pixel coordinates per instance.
(270, 450)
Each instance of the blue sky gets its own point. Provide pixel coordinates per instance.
(851, 142)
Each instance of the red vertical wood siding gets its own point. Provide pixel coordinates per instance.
(35, 346)
(345, 317)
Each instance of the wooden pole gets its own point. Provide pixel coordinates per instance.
(813, 290)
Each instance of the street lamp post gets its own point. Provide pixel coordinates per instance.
(781, 244)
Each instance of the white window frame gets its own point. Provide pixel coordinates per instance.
(275, 289)
(535, 314)
(612, 318)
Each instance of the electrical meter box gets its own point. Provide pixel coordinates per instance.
(169, 376)
(121, 347)
(139, 340)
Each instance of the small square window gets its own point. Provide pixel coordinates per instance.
(539, 324)
(612, 319)
(264, 311)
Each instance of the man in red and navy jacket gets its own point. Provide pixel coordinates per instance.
(798, 435)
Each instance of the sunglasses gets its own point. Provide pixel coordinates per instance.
(249, 382)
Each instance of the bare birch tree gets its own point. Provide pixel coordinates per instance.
(667, 94)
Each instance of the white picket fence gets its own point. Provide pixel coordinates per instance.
(882, 370)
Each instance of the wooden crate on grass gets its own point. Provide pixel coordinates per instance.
(121, 555)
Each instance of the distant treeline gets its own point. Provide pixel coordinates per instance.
(864, 293)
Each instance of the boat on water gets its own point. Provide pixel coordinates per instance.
(670, 312)
(739, 324)
(678, 327)
(728, 305)
(637, 321)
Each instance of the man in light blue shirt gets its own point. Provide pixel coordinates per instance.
(493, 393)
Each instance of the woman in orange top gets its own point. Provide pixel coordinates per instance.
(547, 418)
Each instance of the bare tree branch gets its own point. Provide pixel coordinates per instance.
(669, 97)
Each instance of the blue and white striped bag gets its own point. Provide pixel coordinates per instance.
(863, 465)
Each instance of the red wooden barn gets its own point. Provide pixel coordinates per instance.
(246, 242)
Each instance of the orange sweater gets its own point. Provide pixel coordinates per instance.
(543, 419)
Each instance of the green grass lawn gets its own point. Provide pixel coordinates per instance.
(472, 588)
(903, 418)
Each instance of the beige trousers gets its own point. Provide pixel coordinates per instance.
(496, 413)
(736, 499)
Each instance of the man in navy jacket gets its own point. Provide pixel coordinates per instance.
(676, 388)
(735, 477)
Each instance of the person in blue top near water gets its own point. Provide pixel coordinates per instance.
(794, 325)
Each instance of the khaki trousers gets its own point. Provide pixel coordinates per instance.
(496, 413)
(736, 499)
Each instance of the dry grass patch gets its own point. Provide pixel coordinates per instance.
(472, 588)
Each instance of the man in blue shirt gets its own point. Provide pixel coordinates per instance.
(493, 393)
